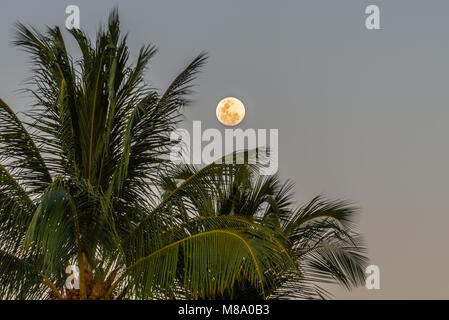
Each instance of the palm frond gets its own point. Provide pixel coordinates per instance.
(16, 211)
(208, 255)
(320, 208)
(22, 280)
(19, 154)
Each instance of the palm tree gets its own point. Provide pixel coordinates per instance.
(319, 236)
(81, 184)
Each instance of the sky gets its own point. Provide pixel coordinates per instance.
(362, 114)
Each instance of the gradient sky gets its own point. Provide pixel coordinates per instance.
(362, 115)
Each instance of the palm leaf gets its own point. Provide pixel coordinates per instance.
(19, 154)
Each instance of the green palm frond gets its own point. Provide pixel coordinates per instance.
(328, 248)
(208, 255)
(19, 154)
(320, 208)
(16, 211)
(20, 279)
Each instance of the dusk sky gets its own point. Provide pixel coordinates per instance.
(362, 114)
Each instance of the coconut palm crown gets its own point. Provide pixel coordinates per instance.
(320, 236)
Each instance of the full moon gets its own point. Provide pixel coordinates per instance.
(230, 111)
